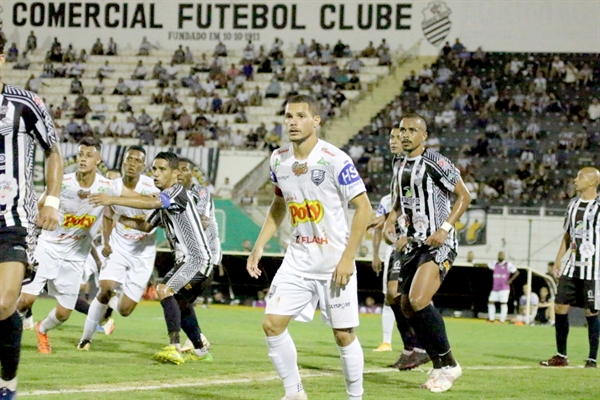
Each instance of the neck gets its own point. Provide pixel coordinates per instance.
(302, 149)
(86, 179)
(416, 151)
(131, 181)
(589, 194)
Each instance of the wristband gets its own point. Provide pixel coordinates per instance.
(446, 226)
(52, 201)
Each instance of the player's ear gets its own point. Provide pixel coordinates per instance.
(317, 120)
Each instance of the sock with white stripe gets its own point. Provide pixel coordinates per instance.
(283, 355)
(50, 322)
(353, 365)
(95, 313)
(387, 323)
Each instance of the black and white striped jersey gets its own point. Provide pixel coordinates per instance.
(423, 186)
(24, 119)
(179, 217)
(206, 208)
(582, 222)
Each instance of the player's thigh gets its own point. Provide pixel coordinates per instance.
(137, 277)
(48, 269)
(494, 296)
(567, 292)
(339, 307)
(425, 285)
(291, 295)
(114, 268)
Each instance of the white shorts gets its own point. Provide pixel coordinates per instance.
(62, 276)
(500, 296)
(291, 294)
(131, 272)
(386, 267)
(90, 269)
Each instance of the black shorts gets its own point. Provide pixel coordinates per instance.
(13, 245)
(576, 292)
(190, 289)
(443, 256)
(394, 266)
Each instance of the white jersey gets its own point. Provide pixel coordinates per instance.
(78, 219)
(130, 241)
(385, 207)
(316, 191)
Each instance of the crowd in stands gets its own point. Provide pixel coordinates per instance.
(517, 125)
(221, 88)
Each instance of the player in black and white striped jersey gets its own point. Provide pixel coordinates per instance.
(176, 212)
(24, 120)
(578, 284)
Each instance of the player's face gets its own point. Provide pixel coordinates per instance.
(88, 159)
(185, 174)
(413, 132)
(300, 122)
(395, 141)
(501, 256)
(134, 163)
(164, 176)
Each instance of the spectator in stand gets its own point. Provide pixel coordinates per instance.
(593, 110)
(355, 151)
(220, 50)
(145, 47)
(76, 86)
(31, 43)
(124, 105)
(273, 89)
(256, 97)
(48, 69)
(385, 58)
(240, 116)
(571, 74)
(539, 83)
(140, 71)
(129, 127)
(188, 56)
(86, 128)
(514, 187)
(557, 69)
(447, 117)
(73, 130)
(369, 51)
(97, 48)
(301, 49)
(106, 70)
(524, 317)
(76, 69)
(354, 65)
(65, 104)
(23, 62)
(178, 56)
(61, 70)
(171, 71)
(238, 139)
(216, 104)
(586, 75)
(81, 107)
(545, 311)
(411, 82)
(120, 88)
(249, 55)
(100, 110)
(56, 51)
(111, 48)
(158, 70)
(13, 53)
(69, 55)
(34, 84)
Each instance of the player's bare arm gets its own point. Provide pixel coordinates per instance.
(377, 233)
(138, 224)
(562, 250)
(274, 219)
(463, 199)
(128, 198)
(48, 215)
(96, 258)
(107, 227)
(377, 222)
(362, 215)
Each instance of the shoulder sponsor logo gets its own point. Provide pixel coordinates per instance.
(299, 168)
(348, 175)
(317, 176)
(37, 100)
(326, 151)
(307, 211)
(79, 221)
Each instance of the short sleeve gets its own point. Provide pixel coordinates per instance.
(154, 218)
(511, 268)
(491, 266)
(273, 175)
(39, 123)
(444, 172)
(348, 180)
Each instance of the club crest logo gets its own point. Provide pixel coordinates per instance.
(317, 176)
(436, 22)
(299, 168)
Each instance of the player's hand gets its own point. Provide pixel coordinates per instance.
(343, 272)
(401, 243)
(556, 269)
(101, 199)
(376, 222)
(437, 239)
(376, 264)
(106, 250)
(252, 263)
(48, 218)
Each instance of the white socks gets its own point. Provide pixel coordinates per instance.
(10, 385)
(283, 355)
(353, 364)
(114, 302)
(50, 322)
(94, 316)
(491, 311)
(503, 311)
(387, 323)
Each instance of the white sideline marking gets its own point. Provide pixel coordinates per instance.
(256, 378)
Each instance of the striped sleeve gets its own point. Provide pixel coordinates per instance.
(38, 121)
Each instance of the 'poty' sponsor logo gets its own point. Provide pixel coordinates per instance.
(79, 221)
(307, 211)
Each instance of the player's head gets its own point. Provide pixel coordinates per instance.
(186, 172)
(413, 130)
(113, 174)
(302, 116)
(165, 169)
(134, 162)
(88, 154)
(395, 140)
(501, 256)
(587, 178)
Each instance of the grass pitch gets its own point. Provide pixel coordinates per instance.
(499, 361)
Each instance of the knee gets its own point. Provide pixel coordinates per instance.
(344, 337)
(561, 308)
(391, 298)
(62, 314)
(419, 302)
(271, 327)
(7, 308)
(105, 293)
(125, 311)
(163, 291)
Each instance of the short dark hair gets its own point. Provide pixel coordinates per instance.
(91, 142)
(413, 115)
(137, 148)
(187, 160)
(171, 158)
(2, 42)
(313, 105)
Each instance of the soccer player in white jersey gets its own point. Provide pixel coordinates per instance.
(24, 120)
(578, 281)
(129, 253)
(315, 181)
(61, 254)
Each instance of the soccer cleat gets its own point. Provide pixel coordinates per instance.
(556, 361)
(84, 345)
(205, 341)
(169, 355)
(589, 363)
(415, 359)
(433, 375)
(7, 394)
(187, 346)
(194, 356)
(108, 326)
(401, 360)
(300, 396)
(383, 347)
(43, 341)
(446, 379)
(28, 323)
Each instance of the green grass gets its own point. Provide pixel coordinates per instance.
(242, 371)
